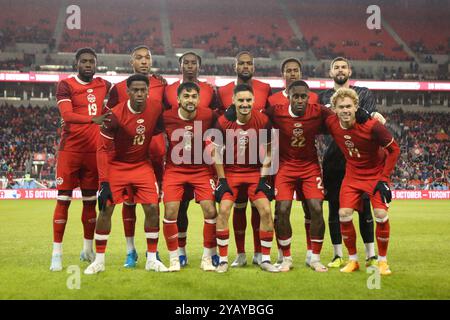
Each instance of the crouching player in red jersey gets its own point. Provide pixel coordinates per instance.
(371, 153)
(185, 166)
(80, 102)
(243, 172)
(141, 61)
(299, 122)
(123, 165)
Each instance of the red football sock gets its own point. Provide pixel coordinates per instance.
(129, 219)
(209, 233)
(382, 232)
(89, 218)
(239, 226)
(284, 243)
(316, 245)
(60, 216)
(255, 226)
(266, 241)
(152, 235)
(349, 236)
(308, 235)
(170, 230)
(223, 237)
(101, 239)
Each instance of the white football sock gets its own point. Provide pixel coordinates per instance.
(370, 249)
(130, 244)
(88, 245)
(337, 248)
(57, 248)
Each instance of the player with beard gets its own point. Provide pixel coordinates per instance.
(334, 168)
(185, 127)
(141, 61)
(245, 68)
(80, 102)
(190, 63)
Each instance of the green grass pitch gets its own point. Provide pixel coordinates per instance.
(418, 255)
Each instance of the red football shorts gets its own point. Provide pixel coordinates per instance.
(75, 169)
(175, 182)
(305, 180)
(244, 183)
(352, 190)
(137, 177)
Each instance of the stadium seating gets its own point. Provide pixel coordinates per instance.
(229, 26)
(25, 21)
(420, 24)
(115, 27)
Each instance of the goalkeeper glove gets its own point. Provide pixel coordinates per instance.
(361, 116)
(104, 195)
(230, 113)
(385, 191)
(264, 187)
(221, 189)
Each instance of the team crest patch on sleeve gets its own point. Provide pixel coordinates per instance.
(59, 181)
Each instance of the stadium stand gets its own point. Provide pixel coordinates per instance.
(115, 27)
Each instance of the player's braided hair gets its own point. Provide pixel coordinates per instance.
(199, 59)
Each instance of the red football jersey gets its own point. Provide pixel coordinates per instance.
(363, 147)
(186, 139)
(206, 95)
(119, 94)
(297, 135)
(245, 141)
(78, 103)
(281, 98)
(261, 91)
(127, 137)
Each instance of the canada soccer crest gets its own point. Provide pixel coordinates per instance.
(349, 144)
(91, 98)
(297, 132)
(140, 129)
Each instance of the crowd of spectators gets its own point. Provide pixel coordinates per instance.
(25, 131)
(423, 137)
(425, 145)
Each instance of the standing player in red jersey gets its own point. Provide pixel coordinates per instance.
(291, 70)
(299, 122)
(141, 61)
(185, 127)
(244, 138)
(245, 69)
(190, 63)
(123, 164)
(80, 102)
(371, 154)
